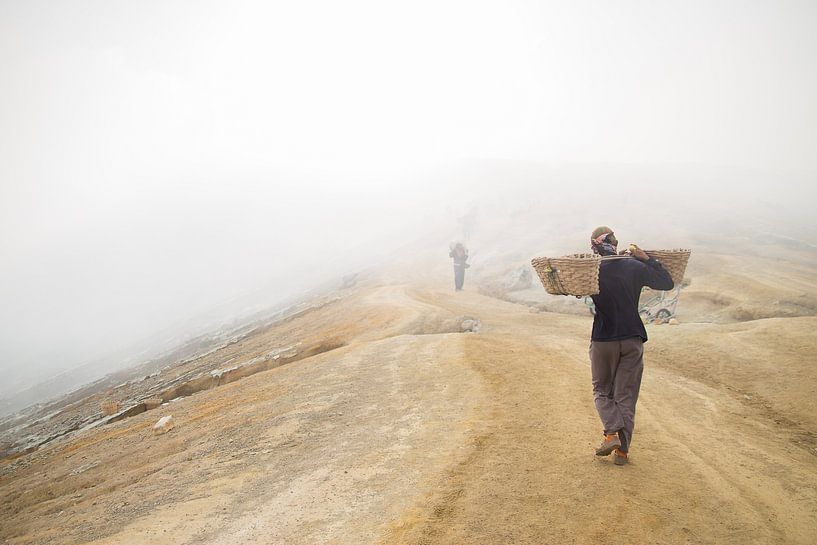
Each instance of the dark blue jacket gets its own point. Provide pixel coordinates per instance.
(620, 283)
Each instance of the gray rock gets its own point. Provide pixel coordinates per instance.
(469, 325)
(164, 425)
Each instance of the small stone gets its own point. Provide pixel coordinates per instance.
(674, 321)
(164, 425)
(470, 324)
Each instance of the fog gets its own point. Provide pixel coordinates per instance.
(166, 167)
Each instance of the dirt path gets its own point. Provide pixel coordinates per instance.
(705, 469)
(420, 435)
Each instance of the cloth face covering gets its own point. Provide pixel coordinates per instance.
(601, 246)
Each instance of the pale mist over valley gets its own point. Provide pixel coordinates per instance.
(169, 168)
(189, 189)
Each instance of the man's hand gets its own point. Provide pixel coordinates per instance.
(638, 253)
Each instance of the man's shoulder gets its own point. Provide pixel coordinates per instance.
(623, 265)
(621, 270)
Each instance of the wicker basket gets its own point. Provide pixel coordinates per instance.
(675, 261)
(576, 274)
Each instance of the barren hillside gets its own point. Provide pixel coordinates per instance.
(397, 427)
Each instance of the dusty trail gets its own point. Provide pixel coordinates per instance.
(705, 468)
(413, 434)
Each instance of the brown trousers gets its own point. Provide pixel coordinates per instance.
(616, 368)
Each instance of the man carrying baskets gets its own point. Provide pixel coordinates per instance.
(616, 345)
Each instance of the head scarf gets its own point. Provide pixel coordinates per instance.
(603, 241)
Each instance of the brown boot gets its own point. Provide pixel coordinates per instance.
(610, 443)
(620, 457)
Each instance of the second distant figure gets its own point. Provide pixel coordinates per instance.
(460, 256)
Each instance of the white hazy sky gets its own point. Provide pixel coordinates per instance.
(159, 157)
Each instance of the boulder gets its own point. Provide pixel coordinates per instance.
(164, 425)
(469, 324)
(674, 321)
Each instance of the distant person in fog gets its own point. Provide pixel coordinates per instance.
(460, 256)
